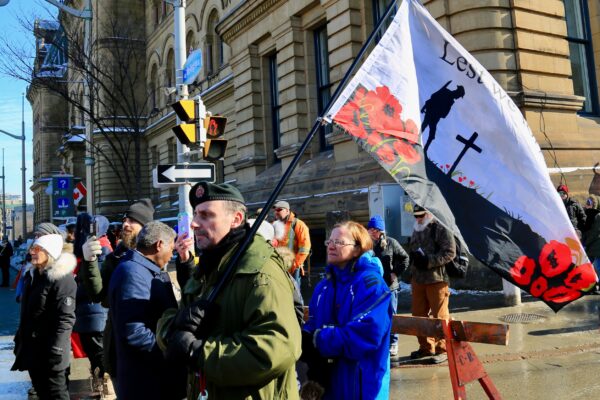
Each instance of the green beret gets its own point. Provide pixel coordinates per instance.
(205, 191)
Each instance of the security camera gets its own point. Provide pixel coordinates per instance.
(167, 90)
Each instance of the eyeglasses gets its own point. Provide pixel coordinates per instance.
(337, 243)
(419, 216)
(279, 209)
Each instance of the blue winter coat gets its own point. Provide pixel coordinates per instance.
(139, 292)
(353, 311)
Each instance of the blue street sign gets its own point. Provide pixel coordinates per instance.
(192, 67)
(62, 196)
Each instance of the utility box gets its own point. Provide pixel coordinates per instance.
(395, 206)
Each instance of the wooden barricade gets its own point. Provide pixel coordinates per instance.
(463, 363)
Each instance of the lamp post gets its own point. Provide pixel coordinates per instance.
(3, 200)
(22, 138)
(24, 199)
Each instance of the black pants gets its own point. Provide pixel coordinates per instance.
(92, 345)
(49, 385)
(5, 275)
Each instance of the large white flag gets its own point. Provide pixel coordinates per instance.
(440, 124)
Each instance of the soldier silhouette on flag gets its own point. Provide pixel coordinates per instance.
(437, 107)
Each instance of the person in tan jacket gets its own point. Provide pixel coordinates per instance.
(431, 247)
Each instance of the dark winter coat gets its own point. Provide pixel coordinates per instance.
(47, 316)
(91, 316)
(6, 252)
(393, 258)
(139, 293)
(352, 310)
(440, 249)
(96, 281)
(591, 234)
(575, 213)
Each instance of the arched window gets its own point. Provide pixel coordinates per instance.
(170, 72)
(190, 42)
(153, 87)
(214, 45)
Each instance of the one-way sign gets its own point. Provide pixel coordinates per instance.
(181, 173)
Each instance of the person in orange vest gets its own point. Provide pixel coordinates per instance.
(295, 236)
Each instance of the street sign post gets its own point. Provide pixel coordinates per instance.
(176, 174)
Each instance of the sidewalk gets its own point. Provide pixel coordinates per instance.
(574, 328)
(553, 356)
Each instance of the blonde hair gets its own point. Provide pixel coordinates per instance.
(359, 234)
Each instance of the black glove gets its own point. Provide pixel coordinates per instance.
(190, 318)
(183, 347)
(419, 260)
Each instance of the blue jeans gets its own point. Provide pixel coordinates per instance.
(297, 277)
(394, 300)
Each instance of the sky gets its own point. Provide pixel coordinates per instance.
(11, 91)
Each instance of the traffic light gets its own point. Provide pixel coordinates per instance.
(190, 112)
(214, 148)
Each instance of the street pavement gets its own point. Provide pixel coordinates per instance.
(556, 355)
(553, 356)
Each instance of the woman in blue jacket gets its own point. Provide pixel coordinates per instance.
(349, 322)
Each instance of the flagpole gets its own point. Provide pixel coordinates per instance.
(288, 172)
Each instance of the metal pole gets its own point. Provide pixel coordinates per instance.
(512, 294)
(183, 152)
(87, 104)
(3, 200)
(23, 177)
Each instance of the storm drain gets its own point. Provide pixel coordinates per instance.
(522, 318)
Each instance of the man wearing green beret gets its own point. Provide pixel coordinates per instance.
(246, 344)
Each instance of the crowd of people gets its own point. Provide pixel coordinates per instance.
(237, 328)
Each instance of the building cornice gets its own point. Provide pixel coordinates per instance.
(243, 17)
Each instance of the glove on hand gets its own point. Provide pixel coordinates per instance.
(419, 260)
(183, 347)
(91, 249)
(190, 318)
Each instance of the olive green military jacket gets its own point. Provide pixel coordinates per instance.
(254, 338)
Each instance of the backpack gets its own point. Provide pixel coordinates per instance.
(458, 266)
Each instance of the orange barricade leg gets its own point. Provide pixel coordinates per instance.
(465, 367)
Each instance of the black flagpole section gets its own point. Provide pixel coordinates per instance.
(288, 172)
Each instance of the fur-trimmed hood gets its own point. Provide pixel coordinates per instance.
(65, 264)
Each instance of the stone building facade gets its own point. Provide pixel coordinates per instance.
(49, 111)
(270, 66)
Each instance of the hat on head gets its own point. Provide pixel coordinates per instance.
(205, 191)
(46, 228)
(418, 210)
(51, 243)
(376, 222)
(562, 188)
(281, 204)
(142, 211)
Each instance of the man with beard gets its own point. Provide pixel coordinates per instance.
(245, 344)
(295, 236)
(96, 280)
(431, 247)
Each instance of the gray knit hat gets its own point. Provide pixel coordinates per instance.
(142, 211)
(46, 228)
